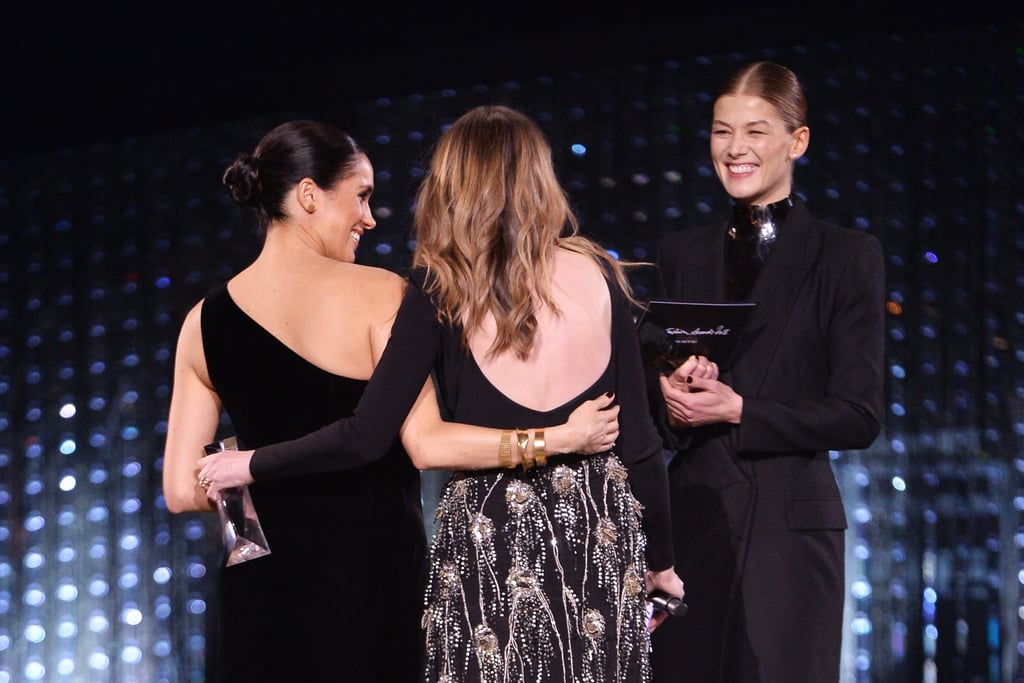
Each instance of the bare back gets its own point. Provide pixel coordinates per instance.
(335, 315)
(572, 349)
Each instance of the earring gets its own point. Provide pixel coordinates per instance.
(311, 208)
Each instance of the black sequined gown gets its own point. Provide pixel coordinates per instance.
(538, 575)
(348, 549)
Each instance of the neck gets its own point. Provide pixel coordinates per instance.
(292, 240)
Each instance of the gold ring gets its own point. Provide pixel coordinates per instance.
(205, 482)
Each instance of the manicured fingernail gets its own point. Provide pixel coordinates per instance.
(689, 379)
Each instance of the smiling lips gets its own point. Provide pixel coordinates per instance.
(740, 169)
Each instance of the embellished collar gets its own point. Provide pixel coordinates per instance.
(760, 223)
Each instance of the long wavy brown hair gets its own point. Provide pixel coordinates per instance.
(490, 216)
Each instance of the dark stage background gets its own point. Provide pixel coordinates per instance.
(113, 222)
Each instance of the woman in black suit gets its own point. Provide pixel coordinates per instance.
(757, 514)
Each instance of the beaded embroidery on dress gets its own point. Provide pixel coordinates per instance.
(538, 576)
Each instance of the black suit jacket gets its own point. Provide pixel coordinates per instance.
(757, 514)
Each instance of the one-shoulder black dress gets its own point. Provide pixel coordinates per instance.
(340, 596)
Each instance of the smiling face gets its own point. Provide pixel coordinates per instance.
(752, 151)
(346, 213)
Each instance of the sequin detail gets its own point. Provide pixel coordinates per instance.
(593, 624)
(606, 534)
(482, 529)
(538, 576)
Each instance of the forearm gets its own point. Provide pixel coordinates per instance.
(467, 447)
(648, 480)
(186, 497)
(181, 489)
(806, 425)
(433, 443)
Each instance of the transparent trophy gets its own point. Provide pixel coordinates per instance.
(243, 535)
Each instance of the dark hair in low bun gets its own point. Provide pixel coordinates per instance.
(287, 154)
(242, 179)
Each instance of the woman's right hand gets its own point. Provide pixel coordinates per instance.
(593, 427)
(667, 581)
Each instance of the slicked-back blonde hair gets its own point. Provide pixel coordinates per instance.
(490, 216)
(774, 83)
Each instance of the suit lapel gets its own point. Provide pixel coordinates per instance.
(775, 292)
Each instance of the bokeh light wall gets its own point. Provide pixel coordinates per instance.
(917, 140)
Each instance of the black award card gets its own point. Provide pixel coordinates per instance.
(672, 331)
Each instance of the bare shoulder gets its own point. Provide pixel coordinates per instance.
(577, 268)
(381, 277)
(581, 277)
(377, 292)
(189, 352)
(380, 283)
(191, 325)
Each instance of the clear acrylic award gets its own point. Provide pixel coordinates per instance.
(240, 527)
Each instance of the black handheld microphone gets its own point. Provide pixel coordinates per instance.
(657, 346)
(654, 339)
(664, 602)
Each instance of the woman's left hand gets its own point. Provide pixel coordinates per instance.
(593, 426)
(695, 366)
